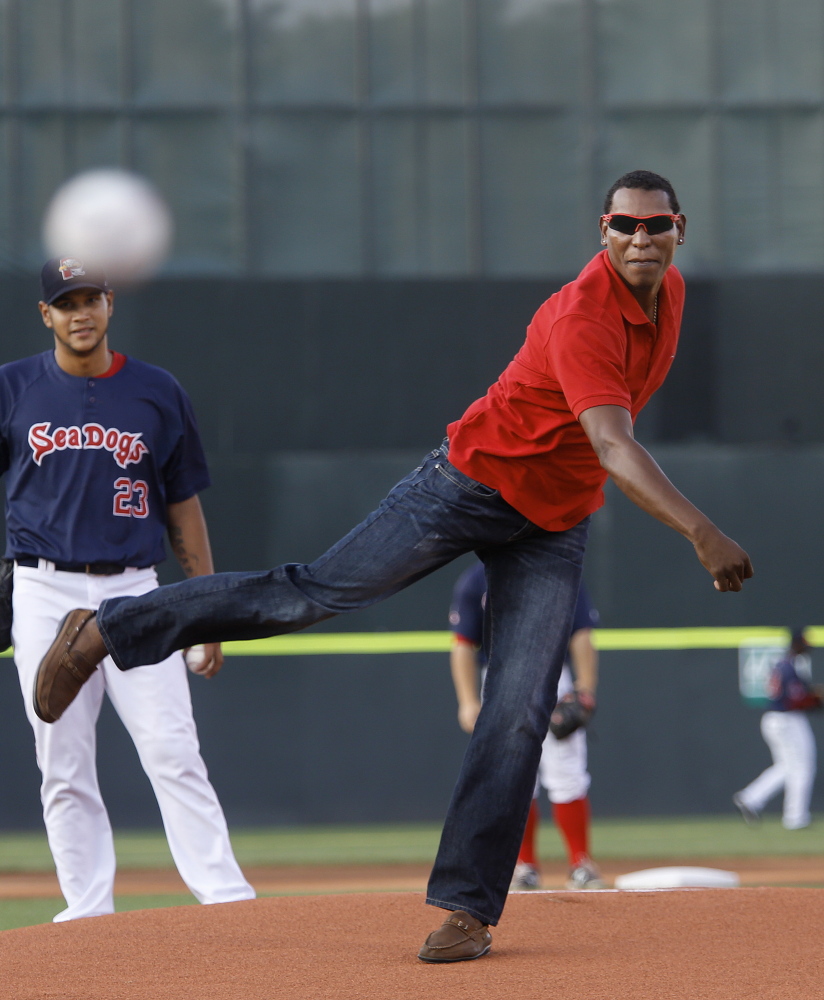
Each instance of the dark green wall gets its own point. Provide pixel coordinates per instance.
(334, 364)
(358, 739)
(304, 365)
(315, 397)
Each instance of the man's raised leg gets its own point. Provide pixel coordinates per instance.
(432, 516)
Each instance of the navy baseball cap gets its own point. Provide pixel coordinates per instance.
(64, 274)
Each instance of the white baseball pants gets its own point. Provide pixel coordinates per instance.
(155, 706)
(563, 767)
(792, 745)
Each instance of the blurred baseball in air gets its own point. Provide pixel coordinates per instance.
(111, 219)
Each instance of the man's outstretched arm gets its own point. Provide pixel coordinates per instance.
(635, 472)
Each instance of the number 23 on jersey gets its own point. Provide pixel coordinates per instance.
(131, 499)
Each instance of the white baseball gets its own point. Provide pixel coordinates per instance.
(112, 220)
(195, 658)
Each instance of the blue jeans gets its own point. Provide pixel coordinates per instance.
(432, 516)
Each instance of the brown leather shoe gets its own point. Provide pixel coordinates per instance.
(460, 938)
(69, 663)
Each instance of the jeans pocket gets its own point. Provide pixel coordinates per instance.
(457, 478)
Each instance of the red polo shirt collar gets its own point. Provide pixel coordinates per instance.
(630, 306)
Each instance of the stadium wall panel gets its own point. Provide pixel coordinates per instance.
(372, 739)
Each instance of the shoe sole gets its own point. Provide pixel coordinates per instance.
(35, 704)
(463, 958)
(58, 640)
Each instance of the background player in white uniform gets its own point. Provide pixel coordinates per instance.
(101, 455)
(787, 732)
(563, 767)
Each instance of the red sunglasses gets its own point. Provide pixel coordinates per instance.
(654, 225)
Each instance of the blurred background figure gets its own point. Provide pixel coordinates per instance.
(563, 767)
(787, 732)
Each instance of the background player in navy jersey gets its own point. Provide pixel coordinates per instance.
(102, 456)
(563, 766)
(787, 732)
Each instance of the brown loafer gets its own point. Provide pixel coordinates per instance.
(69, 663)
(460, 938)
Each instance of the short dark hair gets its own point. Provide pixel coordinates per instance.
(646, 180)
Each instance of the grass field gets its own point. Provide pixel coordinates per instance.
(690, 838)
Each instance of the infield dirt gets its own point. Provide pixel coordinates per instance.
(678, 945)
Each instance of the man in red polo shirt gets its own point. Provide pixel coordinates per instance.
(515, 481)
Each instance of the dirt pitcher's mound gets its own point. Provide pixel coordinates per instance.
(684, 945)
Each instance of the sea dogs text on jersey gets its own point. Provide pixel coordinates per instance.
(126, 448)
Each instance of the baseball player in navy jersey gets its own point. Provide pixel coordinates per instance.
(787, 732)
(563, 766)
(102, 456)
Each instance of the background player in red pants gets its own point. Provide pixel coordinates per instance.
(563, 767)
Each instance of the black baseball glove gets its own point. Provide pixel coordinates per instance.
(572, 711)
(6, 583)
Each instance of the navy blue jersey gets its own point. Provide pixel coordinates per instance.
(91, 463)
(466, 614)
(788, 692)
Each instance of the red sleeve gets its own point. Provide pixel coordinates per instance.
(588, 361)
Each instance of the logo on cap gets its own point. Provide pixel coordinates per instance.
(70, 267)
